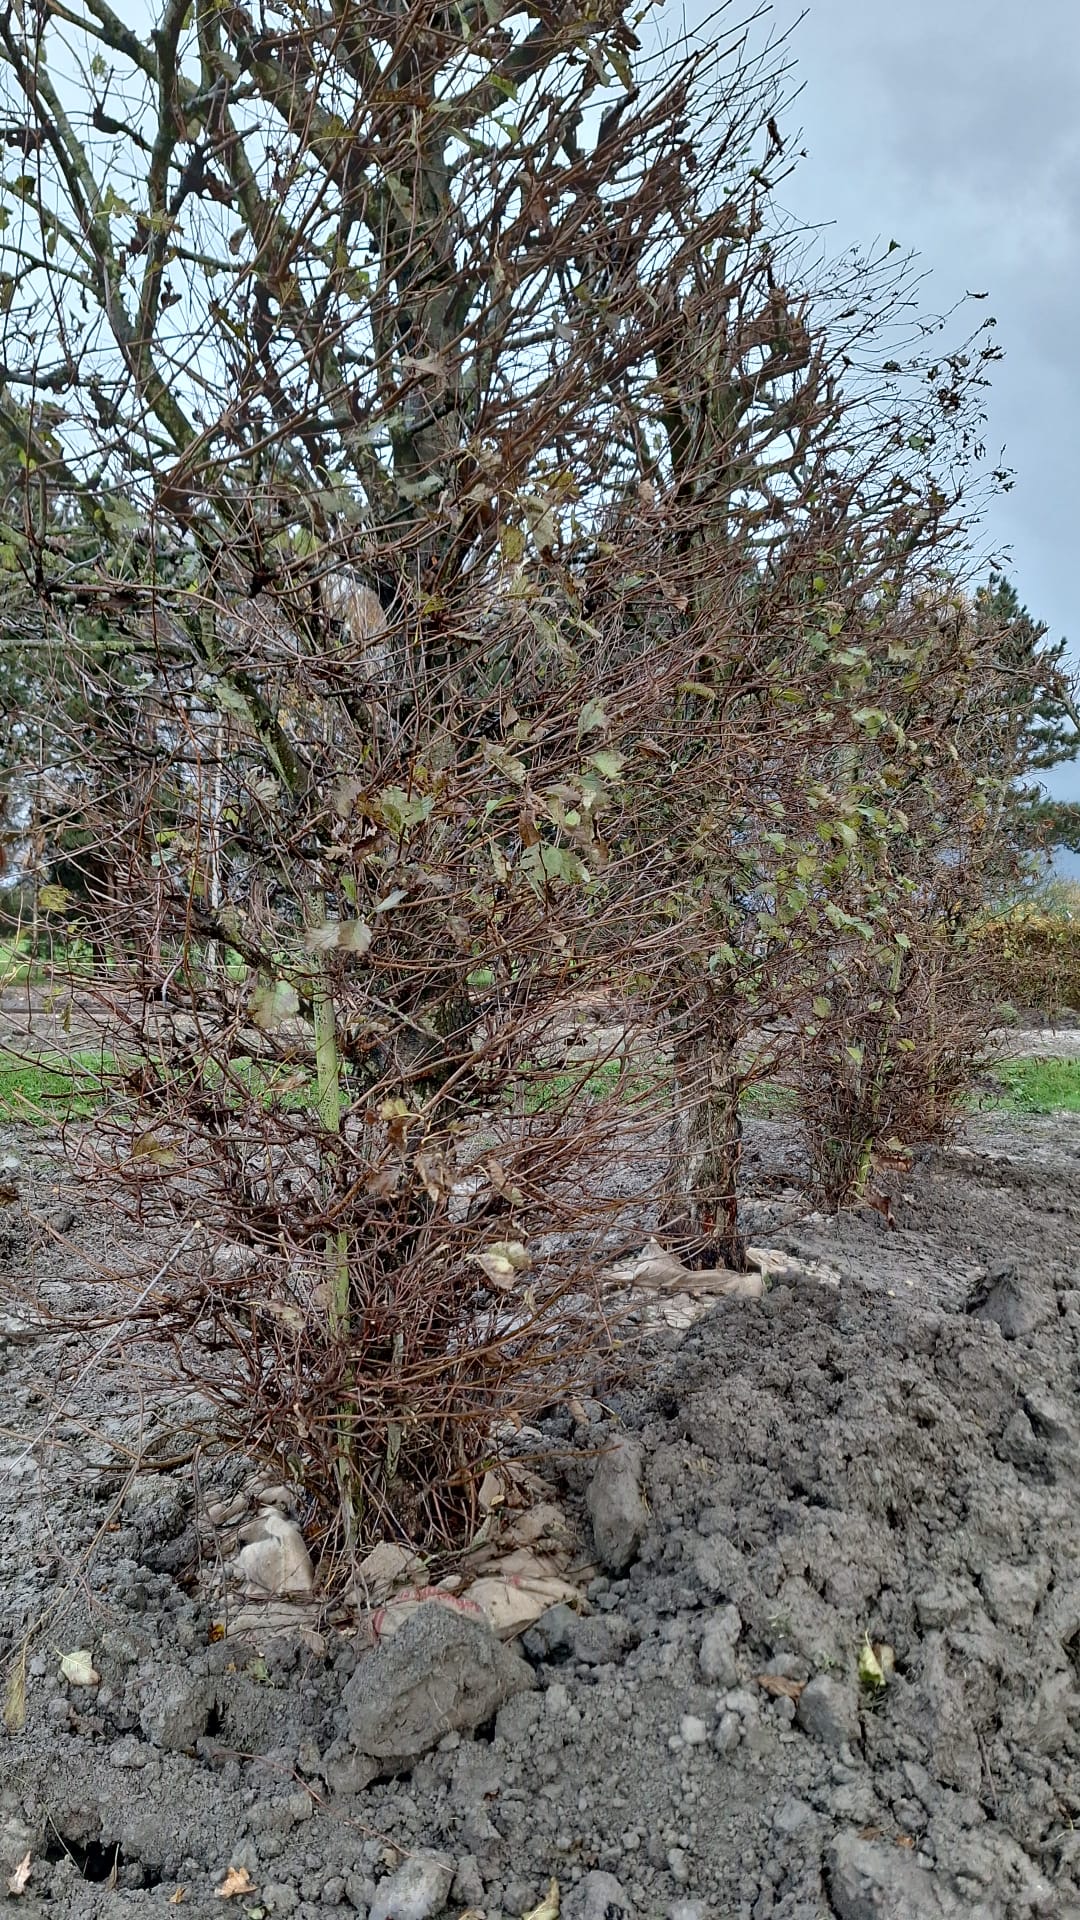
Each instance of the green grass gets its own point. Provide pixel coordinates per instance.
(16, 966)
(53, 1089)
(768, 1100)
(547, 1089)
(56, 1088)
(1037, 1086)
(20, 967)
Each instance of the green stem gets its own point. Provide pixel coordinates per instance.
(328, 1096)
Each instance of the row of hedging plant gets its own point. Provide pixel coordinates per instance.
(1029, 954)
(491, 581)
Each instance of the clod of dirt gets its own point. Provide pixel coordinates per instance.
(443, 1672)
(828, 1709)
(175, 1708)
(870, 1880)
(419, 1889)
(1014, 1300)
(616, 1505)
(716, 1655)
(598, 1897)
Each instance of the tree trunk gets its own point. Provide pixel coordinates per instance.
(707, 1144)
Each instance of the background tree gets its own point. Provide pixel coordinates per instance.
(1049, 736)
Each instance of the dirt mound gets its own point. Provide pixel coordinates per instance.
(836, 1469)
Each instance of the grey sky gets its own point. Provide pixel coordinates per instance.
(953, 126)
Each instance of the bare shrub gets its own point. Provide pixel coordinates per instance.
(468, 542)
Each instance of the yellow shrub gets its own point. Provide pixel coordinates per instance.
(1034, 957)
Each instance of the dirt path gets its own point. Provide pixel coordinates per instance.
(855, 1460)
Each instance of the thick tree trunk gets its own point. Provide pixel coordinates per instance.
(707, 1144)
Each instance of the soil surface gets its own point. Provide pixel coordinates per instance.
(875, 1466)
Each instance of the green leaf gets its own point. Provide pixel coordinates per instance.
(401, 811)
(593, 718)
(541, 523)
(555, 863)
(512, 545)
(114, 206)
(608, 762)
(871, 1671)
(505, 763)
(821, 1006)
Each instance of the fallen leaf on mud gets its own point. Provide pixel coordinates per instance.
(18, 1880)
(150, 1146)
(177, 1899)
(780, 1686)
(883, 1205)
(238, 1880)
(79, 1670)
(549, 1905)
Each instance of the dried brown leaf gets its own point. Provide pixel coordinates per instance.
(237, 1881)
(17, 1881)
(780, 1686)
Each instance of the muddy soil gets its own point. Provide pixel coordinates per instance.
(883, 1454)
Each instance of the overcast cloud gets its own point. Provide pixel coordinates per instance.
(953, 126)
